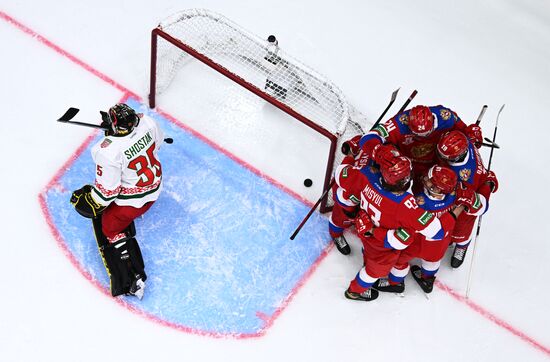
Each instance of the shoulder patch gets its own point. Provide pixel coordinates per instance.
(345, 172)
(354, 199)
(426, 216)
(404, 118)
(106, 142)
(402, 234)
(420, 200)
(445, 114)
(381, 130)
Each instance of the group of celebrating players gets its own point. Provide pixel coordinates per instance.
(411, 186)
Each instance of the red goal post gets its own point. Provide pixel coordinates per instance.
(261, 67)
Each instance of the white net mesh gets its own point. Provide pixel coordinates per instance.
(260, 63)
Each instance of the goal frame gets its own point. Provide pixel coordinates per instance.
(333, 139)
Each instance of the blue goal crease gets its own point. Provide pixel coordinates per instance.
(216, 244)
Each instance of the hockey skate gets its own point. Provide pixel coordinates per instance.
(367, 295)
(383, 285)
(458, 256)
(137, 288)
(427, 284)
(342, 245)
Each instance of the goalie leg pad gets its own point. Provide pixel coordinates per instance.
(123, 261)
(124, 264)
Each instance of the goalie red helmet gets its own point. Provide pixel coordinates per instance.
(398, 173)
(452, 146)
(421, 121)
(440, 180)
(123, 118)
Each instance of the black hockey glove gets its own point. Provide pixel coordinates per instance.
(85, 204)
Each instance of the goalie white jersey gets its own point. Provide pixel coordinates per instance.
(128, 170)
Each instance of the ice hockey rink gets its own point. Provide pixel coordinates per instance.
(53, 305)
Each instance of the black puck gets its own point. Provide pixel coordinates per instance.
(308, 182)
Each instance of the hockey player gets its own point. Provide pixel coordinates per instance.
(387, 204)
(128, 181)
(416, 132)
(457, 152)
(345, 209)
(438, 197)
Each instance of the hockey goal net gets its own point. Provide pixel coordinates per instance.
(262, 68)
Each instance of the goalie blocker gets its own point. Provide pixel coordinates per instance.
(123, 261)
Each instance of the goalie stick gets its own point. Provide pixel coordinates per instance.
(306, 218)
(72, 112)
(481, 217)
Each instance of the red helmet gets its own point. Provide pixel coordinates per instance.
(452, 146)
(443, 178)
(399, 173)
(421, 121)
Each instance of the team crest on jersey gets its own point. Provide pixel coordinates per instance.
(420, 200)
(465, 174)
(422, 150)
(445, 114)
(398, 193)
(106, 142)
(404, 119)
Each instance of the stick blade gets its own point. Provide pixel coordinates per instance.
(394, 94)
(71, 112)
(498, 114)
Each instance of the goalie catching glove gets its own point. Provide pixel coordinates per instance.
(85, 204)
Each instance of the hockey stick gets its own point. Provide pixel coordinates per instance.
(483, 109)
(481, 217)
(494, 137)
(393, 97)
(492, 145)
(413, 94)
(306, 218)
(71, 113)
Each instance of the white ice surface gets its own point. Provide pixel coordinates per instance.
(460, 54)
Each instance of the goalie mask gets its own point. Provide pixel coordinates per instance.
(122, 119)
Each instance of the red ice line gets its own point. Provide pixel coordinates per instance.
(268, 320)
(493, 318)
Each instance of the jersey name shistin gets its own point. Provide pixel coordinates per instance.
(138, 146)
